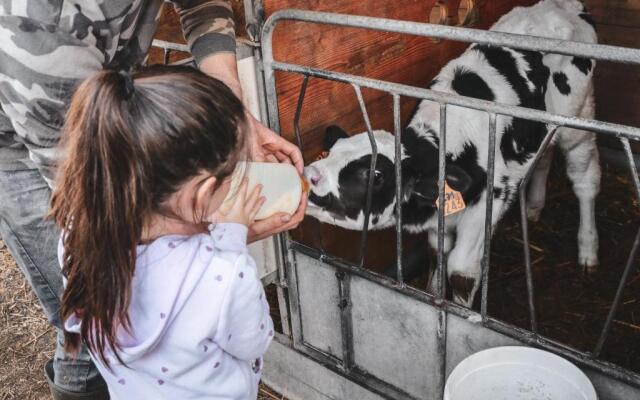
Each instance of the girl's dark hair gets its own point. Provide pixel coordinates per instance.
(129, 141)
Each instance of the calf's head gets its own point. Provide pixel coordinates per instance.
(338, 182)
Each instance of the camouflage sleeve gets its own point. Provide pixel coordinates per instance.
(40, 66)
(208, 26)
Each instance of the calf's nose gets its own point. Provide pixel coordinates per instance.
(312, 174)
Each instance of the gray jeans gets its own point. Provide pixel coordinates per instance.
(32, 240)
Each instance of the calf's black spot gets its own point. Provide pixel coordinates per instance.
(583, 64)
(521, 140)
(468, 161)
(538, 74)
(470, 84)
(352, 186)
(522, 137)
(562, 83)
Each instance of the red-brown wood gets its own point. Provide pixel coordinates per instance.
(392, 57)
(409, 60)
(617, 86)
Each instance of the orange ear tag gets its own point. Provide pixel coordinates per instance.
(453, 201)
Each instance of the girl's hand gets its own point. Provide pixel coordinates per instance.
(244, 208)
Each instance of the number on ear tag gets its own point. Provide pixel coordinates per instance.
(453, 201)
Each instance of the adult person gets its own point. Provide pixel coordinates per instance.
(46, 48)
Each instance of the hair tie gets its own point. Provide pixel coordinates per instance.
(129, 88)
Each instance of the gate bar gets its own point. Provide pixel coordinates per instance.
(516, 41)
(398, 170)
(346, 324)
(441, 292)
(372, 169)
(488, 219)
(296, 118)
(524, 222)
(632, 165)
(527, 337)
(442, 173)
(608, 128)
(298, 136)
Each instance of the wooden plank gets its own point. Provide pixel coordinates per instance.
(617, 86)
(387, 56)
(618, 93)
(615, 12)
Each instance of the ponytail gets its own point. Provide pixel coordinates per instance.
(130, 141)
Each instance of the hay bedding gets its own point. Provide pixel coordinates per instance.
(26, 339)
(572, 306)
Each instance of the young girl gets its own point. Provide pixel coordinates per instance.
(158, 280)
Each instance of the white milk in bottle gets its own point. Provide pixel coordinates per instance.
(282, 186)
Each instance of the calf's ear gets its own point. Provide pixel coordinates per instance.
(331, 135)
(458, 179)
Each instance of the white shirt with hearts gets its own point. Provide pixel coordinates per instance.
(200, 321)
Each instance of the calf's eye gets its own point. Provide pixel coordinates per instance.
(377, 178)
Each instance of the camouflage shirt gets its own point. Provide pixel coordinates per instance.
(48, 46)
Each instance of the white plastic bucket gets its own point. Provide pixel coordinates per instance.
(517, 373)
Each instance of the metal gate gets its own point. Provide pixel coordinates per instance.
(394, 340)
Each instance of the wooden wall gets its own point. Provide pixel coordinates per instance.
(409, 60)
(618, 22)
(617, 86)
(393, 57)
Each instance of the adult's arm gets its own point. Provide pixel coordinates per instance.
(210, 32)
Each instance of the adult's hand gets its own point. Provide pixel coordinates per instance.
(280, 222)
(267, 145)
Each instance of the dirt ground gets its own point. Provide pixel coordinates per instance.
(26, 339)
(572, 305)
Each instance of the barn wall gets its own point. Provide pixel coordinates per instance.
(404, 59)
(414, 60)
(387, 56)
(617, 85)
(391, 57)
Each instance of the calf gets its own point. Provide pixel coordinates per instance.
(555, 83)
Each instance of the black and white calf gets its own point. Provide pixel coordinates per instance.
(555, 83)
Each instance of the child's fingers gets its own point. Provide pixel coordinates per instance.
(242, 191)
(241, 195)
(256, 207)
(253, 197)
